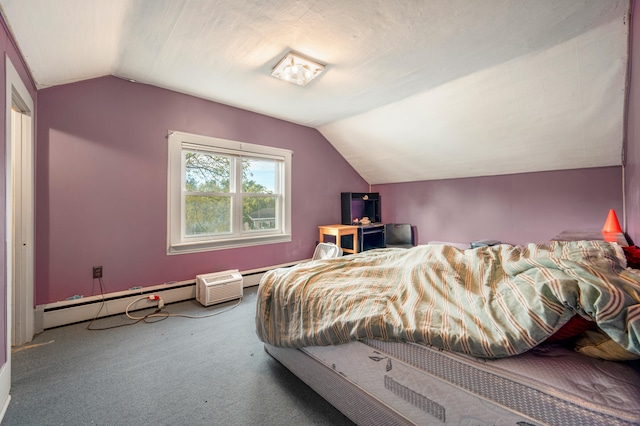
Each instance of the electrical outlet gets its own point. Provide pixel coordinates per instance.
(97, 272)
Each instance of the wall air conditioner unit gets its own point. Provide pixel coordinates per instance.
(218, 287)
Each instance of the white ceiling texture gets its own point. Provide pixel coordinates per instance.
(413, 90)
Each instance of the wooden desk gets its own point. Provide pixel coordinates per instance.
(612, 237)
(338, 231)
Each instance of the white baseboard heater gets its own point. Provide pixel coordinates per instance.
(218, 287)
(67, 312)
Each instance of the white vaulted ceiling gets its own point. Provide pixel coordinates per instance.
(413, 90)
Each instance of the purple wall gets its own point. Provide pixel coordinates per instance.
(8, 48)
(102, 185)
(632, 169)
(516, 209)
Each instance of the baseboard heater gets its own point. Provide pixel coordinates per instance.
(67, 312)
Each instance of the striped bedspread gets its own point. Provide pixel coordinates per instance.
(488, 302)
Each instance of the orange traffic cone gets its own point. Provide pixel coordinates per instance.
(612, 224)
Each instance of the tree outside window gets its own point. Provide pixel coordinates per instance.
(230, 193)
(209, 189)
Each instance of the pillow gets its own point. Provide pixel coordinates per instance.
(572, 328)
(597, 344)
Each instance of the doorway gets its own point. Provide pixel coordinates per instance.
(19, 223)
(22, 306)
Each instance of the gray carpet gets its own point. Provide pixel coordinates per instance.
(178, 371)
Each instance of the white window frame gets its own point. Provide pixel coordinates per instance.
(177, 242)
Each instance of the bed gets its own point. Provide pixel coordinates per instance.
(440, 335)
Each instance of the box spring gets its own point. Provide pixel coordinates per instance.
(375, 382)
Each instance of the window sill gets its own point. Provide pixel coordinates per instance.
(202, 246)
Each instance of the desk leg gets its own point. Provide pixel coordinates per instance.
(355, 242)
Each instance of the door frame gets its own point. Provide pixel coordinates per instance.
(22, 306)
(16, 94)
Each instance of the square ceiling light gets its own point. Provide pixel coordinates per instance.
(297, 69)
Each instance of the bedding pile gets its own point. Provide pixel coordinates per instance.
(489, 302)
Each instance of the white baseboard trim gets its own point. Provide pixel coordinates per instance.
(5, 406)
(67, 312)
(61, 313)
(5, 387)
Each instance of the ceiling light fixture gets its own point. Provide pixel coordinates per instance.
(297, 69)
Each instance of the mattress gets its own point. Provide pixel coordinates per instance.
(376, 382)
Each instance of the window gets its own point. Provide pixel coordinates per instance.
(224, 194)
